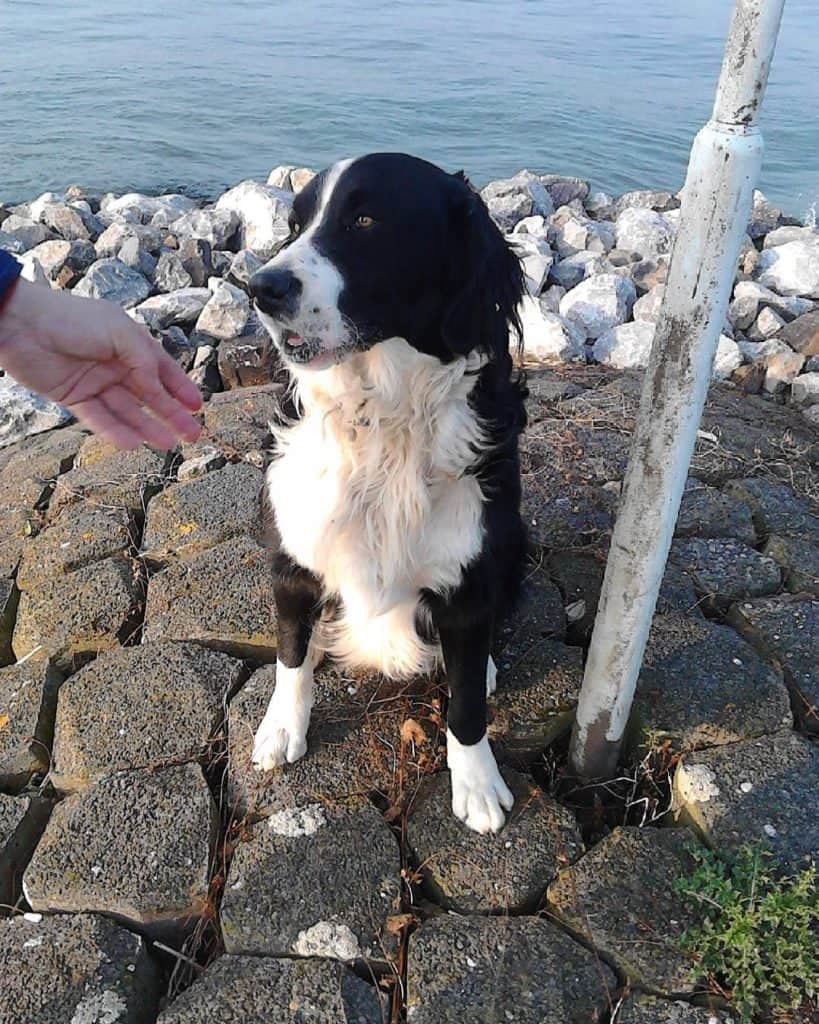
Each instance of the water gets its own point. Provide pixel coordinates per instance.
(199, 94)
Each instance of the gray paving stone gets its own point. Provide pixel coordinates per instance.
(239, 421)
(315, 881)
(106, 478)
(359, 743)
(28, 702)
(702, 685)
(189, 517)
(534, 703)
(9, 601)
(33, 465)
(786, 630)
(764, 790)
(77, 969)
(164, 702)
(222, 597)
(21, 824)
(76, 616)
(725, 570)
(799, 560)
(509, 870)
(708, 512)
(76, 538)
(495, 970)
(619, 897)
(259, 990)
(15, 525)
(776, 509)
(650, 1010)
(135, 846)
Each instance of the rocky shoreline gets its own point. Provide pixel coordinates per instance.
(149, 874)
(595, 271)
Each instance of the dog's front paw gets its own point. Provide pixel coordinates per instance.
(278, 741)
(479, 794)
(282, 736)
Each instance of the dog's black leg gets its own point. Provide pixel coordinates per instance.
(282, 735)
(464, 622)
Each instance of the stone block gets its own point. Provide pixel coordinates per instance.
(313, 881)
(481, 970)
(222, 597)
(506, 871)
(164, 703)
(724, 570)
(619, 898)
(134, 846)
(28, 702)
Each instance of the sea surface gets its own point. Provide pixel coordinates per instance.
(197, 94)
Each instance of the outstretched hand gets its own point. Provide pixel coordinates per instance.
(89, 356)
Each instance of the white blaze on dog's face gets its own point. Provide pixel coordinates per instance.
(366, 260)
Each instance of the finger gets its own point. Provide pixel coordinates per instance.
(147, 387)
(177, 382)
(93, 414)
(122, 405)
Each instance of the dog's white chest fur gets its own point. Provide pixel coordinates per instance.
(371, 493)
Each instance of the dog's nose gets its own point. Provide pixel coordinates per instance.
(276, 291)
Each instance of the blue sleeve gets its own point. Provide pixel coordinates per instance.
(9, 272)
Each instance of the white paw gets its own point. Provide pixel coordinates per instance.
(282, 735)
(479, 794)
(491, 677)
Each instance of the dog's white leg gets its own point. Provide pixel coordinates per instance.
(479, 794)
(491, 676)
(282, 735)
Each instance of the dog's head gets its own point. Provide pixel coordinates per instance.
(389, 246)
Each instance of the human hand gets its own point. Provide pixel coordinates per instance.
(87, 355)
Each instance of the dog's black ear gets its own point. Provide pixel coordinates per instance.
(489, 282)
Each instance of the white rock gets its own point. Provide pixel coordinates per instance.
(182, 306)
(110, 279)
(599, 303)
(28, 232)
(301, 178)
(570, 271)
(536, 259)
(33, 270)
(766, 325)
(217, 227)
(279, 177)
(805, 390)
(226, 312)
(648, 306)
(781, 370)
(743, 311)
(115, 235)
(550, 298)
(811, 414)
(571, 236)
(134, 207)
(511, 199)
(535, 225)
(787, 306)
(626, 346)
(754, 351)
(262, 211)
(548, 337)
(38, 205)
(22, 413)
(207, 461)
(328, 939)
(645, 231)
(727, 359)
(788, 233)
(791, 269)
(65, 221)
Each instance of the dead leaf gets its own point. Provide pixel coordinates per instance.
(412, 732)
(395, 923)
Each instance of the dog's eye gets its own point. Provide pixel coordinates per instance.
(363, 221)
(295, 227)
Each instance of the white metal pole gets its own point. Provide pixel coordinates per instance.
(716, 202)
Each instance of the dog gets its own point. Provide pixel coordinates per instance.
(393, 500)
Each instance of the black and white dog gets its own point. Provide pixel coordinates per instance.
(393, 500)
